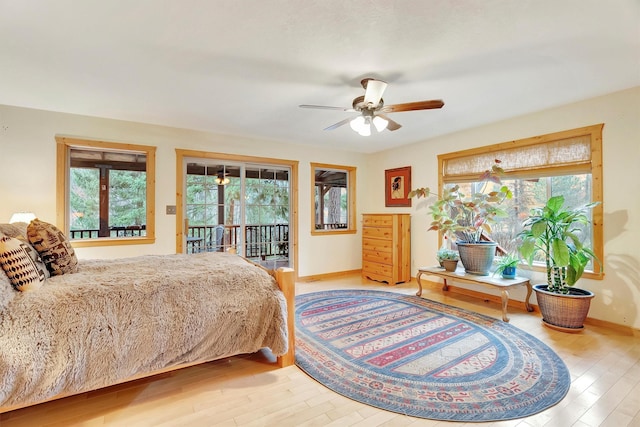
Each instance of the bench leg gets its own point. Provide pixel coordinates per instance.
(505, 303)
(526, 301)
(445, 287)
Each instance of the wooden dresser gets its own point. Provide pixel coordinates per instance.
(386, 247)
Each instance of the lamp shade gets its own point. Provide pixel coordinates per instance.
(365, 129)
(357, 124)
(22, 217)
(380, 123)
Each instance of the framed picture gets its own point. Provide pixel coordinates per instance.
(397, 184)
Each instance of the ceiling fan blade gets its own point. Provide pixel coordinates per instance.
(324, 107)
(412, 106)
(373, 91)
(392, 125)
(340, 123)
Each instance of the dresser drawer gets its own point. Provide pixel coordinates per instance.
(376, 245)
(377, 221)
(377, 232)
(377, 256)
(376, 269)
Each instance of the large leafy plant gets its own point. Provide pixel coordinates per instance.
(464, 216)
(554, 232)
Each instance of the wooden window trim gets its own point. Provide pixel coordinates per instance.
(62, 189)
(351, 173)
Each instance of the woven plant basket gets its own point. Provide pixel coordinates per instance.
(477, 258)
(564, 312)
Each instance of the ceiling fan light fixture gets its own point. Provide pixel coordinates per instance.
(380, 123)
(357, 124)
(221, 179)
(371, 103)
(365, 128)
(365, 131)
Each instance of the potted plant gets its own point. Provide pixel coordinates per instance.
(552, 232)
(448, 258)
(507, 265)
(465, 217)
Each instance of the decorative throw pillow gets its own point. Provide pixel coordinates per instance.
(22, 271)
(54, 248)
(7, 291)
(35, 256)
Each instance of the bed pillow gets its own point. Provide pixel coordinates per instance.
(22, 271)
(54, 248)
(19, 231)
(35, 256)
(7, 292)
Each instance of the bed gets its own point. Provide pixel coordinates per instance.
(113, 321)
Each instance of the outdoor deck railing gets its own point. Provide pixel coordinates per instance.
(261, 241)
(336, 226)
(129, 231)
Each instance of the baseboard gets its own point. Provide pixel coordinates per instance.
(325, 276)
(623, 329)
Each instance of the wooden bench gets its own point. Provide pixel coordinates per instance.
(460, 276)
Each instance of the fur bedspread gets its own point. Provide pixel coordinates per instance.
(115, 319)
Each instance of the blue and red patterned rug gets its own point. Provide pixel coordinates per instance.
(425, 359)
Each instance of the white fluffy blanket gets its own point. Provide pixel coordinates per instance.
(118, 318)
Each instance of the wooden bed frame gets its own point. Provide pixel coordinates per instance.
(286, 282)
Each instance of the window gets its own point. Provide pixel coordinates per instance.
(567, 163)
(333, 205)
(105, 192)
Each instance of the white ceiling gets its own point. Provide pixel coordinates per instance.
(242, 67)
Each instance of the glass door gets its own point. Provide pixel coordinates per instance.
(240, 208)
(266, 215)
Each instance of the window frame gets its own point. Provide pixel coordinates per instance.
(594, 167)
(64, 145)
(351, 196)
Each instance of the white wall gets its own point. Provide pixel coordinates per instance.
(618, 295)
(28, 174)
(27, 182)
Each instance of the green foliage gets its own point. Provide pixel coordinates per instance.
(466, 216)
(84, 198)
(503, 262)
(445, 254)
(266, 201)
(555, 232)
(127, 198)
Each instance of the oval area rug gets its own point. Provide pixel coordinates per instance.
(425, 359)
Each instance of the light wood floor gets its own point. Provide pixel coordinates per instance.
(249, 391)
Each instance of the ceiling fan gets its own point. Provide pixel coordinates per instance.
(372, 109)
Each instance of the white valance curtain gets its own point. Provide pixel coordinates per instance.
(523, 160)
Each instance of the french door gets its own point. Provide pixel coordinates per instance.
(238, 207)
